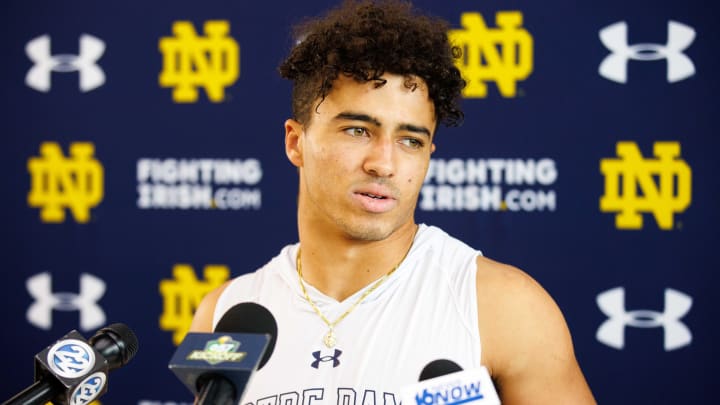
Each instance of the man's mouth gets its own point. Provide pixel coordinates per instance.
(375, 200)
(378, 197)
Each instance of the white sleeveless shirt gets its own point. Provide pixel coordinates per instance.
(426, 310)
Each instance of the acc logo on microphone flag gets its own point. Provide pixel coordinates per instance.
(71, 358)
(468, 386)
(220, 350)
(76, 367)
(89, 389)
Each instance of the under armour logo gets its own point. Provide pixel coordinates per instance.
(679, 38)
(40, 312)
(612, 331)
(334, 358)
(91, 75)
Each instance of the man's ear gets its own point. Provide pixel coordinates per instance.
(293, 142)
(432, 147)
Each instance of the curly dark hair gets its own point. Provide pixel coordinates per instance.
(365, 39)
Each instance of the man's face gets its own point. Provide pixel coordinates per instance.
(363, 157)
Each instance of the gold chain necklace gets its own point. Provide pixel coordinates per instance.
(329, 338)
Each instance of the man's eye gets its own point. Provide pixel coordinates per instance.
(413, 143)
(356, 131)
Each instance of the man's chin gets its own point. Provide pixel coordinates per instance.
(366, 232)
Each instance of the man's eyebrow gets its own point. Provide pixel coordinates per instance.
(352, 116)
(414, 128)
(357, 117)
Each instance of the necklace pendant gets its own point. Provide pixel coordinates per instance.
(329, 339)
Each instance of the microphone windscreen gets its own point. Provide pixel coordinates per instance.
(438, 368)
(249, 317)
(117, 343)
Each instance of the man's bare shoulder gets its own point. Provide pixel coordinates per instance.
(526, 343)
(494, 274)
(510, 301)
(202, 321)
(511, 286)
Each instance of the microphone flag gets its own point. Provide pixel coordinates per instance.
(234, 356)
(472, 387)
(76, 365)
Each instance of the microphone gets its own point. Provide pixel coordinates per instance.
(249, 317)
(74, 371)
(445, 382)
(216, 367)
(438, 368)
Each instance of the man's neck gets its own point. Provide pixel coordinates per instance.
(339, 267)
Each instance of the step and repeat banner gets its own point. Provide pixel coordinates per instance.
(143, 165)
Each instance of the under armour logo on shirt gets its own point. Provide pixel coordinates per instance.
(612, 331)
(318, 359)
(679, 65)
(91, 75)
(40, 312)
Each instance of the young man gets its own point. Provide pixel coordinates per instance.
(368, 297)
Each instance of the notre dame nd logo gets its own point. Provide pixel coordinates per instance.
(189, 61)
(503, 55)
(670, 194)
(182, 295)
(59, 182)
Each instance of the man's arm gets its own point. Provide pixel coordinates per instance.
(203, 319)
(526, 344)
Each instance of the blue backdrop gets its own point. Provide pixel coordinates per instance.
(144, 165)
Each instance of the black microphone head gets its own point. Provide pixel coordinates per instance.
(117, 343)
(438, 368)
(249, 317)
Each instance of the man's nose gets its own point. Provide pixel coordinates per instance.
(380, 157)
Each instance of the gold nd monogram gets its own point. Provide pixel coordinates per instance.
(503, 55)
(189, 61)
(671, 194)
(58, 182)
(182, 295)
